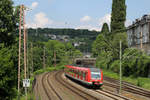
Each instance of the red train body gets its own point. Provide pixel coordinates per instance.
(88, 76)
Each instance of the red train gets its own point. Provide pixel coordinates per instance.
(89, 76)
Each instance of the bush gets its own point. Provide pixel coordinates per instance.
(135, 63)
(8, 70)
(104, 60)
(144, 82)
(115, 66)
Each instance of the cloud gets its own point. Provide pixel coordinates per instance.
(85, 19)
(105, 19)
(34, 5)
(40, 20)
(128, 22)
(101, 21)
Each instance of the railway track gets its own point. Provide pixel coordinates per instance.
(53, 89)
(44, 87)
(48, 91)
(127, 87)
(112, 95)
(101, 92)
(74, 89)
(36, 88)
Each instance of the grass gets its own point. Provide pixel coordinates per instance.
(139, 81)
(48, 70)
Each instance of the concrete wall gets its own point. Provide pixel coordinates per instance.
(146, 47)
(134, 34)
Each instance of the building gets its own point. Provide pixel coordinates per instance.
(139, 34)
(63, 38)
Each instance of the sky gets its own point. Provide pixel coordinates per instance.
(78, 14)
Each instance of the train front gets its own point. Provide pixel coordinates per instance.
(96, 77)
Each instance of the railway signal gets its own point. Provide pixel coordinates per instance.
(26, 83)
(54, 58)
(44, 66)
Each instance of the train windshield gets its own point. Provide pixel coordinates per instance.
(95, 75)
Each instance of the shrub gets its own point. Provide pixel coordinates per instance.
(115, 66)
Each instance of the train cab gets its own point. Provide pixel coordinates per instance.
(96, 76)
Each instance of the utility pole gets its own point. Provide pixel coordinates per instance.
(141, 38)
(27, 53)
(25, 60)
(44, 58)
(19, 57)
(120, 67)
(32, 57)
(54, 58)
(24, 43)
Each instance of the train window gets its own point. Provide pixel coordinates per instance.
(76, 71)
(79, 73)
(83, 75)
(71, 71)
(95, 75)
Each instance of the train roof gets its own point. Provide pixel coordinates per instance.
(79, 68)
(94, 69)
(83, 68)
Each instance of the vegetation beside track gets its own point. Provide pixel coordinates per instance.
(48, 69)
(139, 81)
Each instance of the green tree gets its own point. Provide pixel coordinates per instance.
(104, 59)
(37, 58)
(105, 28)
(115, 44)
(101, 42)
(54, 47)
(71, 53)
(8, 50)
(118, 15)
(99, 45)
(8, 70)
(7, 22)
(135, 63)
(107, 50)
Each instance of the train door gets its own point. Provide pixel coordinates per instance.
(86, 76)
